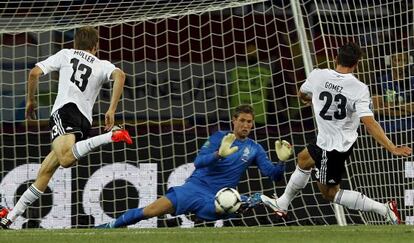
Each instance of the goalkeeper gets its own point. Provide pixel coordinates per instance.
(222, 160)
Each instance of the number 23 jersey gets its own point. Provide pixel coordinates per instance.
(81, 76)
(338, 100)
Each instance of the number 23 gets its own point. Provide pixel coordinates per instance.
(340, 113)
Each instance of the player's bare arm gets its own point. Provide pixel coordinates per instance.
(379, 135)
(119, 79)
(32, 82)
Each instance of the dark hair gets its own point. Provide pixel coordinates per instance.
(248, 109)
(349, 54)
(86, 38)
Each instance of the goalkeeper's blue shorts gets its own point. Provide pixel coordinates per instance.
(193, 198)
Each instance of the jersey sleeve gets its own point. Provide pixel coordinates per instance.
(207, 154)
(108, 69)
(306, 87)
(52, 63)
(363, 105)
(267, 168)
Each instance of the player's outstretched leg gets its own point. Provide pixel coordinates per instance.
(297, 182)
(358, 201)
(46, 171)
(117, 134)
(132, 216)
(28, 197)
(159, 207)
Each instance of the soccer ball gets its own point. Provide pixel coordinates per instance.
(227, 201)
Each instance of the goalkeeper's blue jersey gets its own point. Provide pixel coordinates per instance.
(215, 173)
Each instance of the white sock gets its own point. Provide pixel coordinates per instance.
(358, 201)
(297, 182)
(28, 197)
(83, 147)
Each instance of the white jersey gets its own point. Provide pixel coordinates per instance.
(81, 76)
(338, 100)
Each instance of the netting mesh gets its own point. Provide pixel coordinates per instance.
(21, 16)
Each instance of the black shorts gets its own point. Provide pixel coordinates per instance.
(330, 165)
(68, 119)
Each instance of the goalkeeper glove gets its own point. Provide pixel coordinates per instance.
(283, 149)
(226, 143)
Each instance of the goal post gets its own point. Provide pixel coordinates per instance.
(187, 64)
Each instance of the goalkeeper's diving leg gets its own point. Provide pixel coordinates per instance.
(158, 208)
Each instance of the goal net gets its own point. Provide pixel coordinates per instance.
(187, 64)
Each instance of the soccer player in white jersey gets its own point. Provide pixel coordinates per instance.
(339, 102)
(81, 76)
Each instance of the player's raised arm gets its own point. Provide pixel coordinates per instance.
(226, 148)
(209, 153)
(119, 80)
(378, 133)
(32, 84)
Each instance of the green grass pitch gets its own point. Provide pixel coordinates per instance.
(293, 234)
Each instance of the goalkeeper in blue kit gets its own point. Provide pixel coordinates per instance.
(221, 162)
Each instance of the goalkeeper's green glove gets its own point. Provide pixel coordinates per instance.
(226, 143)
(283, 149)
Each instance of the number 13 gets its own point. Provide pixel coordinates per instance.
(84, 76)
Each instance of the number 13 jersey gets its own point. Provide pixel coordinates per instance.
(338, 100)
(81, 76)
